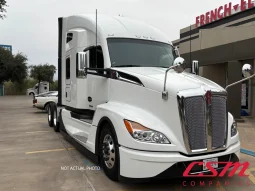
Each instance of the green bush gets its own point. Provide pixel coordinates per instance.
(15, 88)
(54, 86)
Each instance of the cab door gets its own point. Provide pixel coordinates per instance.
(98, 83)
(68, 77)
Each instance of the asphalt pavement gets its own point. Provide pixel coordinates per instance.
(35, 158)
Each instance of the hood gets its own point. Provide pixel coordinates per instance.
(153, 78)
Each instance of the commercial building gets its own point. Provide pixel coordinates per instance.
(223, 40)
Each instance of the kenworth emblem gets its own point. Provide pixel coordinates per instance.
(208, 97)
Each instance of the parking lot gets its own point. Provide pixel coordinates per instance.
(34, 157)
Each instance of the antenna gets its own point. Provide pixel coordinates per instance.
(190, 53)
(96, 37)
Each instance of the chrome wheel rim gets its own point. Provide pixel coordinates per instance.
(108, 149)
(55, 118)
(49, 115)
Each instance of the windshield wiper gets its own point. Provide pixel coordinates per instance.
(127, 66)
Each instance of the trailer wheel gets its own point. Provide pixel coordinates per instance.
(50, 115)
(55, 117)
(109, 152)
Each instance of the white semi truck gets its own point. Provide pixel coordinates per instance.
(43, 87)
(125, 98)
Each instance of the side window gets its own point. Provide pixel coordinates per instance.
(68, 68)
(81, 62)
(69, 37)
(96, 58)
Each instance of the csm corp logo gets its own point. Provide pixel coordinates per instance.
(229, 170)
(214, 173)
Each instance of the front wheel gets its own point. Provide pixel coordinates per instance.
(109, 152)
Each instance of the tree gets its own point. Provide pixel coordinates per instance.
(54, 86)
(12, 67)
(5, 60)
(42, 72)
(19, 68)
(2, 8)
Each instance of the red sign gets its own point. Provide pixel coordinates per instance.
(222, 12)
(214, 172)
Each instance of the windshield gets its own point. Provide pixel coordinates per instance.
(140, 53)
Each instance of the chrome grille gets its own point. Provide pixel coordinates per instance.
(204, 122)
(194, 109)
(218, 117)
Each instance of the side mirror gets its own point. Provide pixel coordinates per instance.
(248, 74)
(247, 70)
(179, 65)
(195, 67)
(82, 64)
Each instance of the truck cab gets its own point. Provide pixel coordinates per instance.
(125, 98)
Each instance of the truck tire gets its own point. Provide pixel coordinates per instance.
(55, 118)
(50, 115)
(109, 152)
(31, 94)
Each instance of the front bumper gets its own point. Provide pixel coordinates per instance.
(136, 164)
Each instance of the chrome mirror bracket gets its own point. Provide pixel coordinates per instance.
(165, 95)
(179, 66)
(248, 74)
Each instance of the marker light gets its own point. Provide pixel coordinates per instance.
(144, 134)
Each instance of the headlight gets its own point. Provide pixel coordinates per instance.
(144, 134)
(233, 129)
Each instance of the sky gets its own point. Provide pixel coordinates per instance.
(31, 25)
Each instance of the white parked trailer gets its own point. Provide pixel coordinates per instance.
(126, 108)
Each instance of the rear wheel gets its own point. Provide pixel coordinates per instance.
(109, 152)
(50, 115)
(55, 118)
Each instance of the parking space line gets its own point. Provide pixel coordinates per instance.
(248, 152)
(38, 132)
(220, 188)
(251, 177)
(46, 151)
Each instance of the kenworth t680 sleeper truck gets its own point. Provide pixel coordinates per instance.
(125, 98)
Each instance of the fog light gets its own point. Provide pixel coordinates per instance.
(233, 129)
